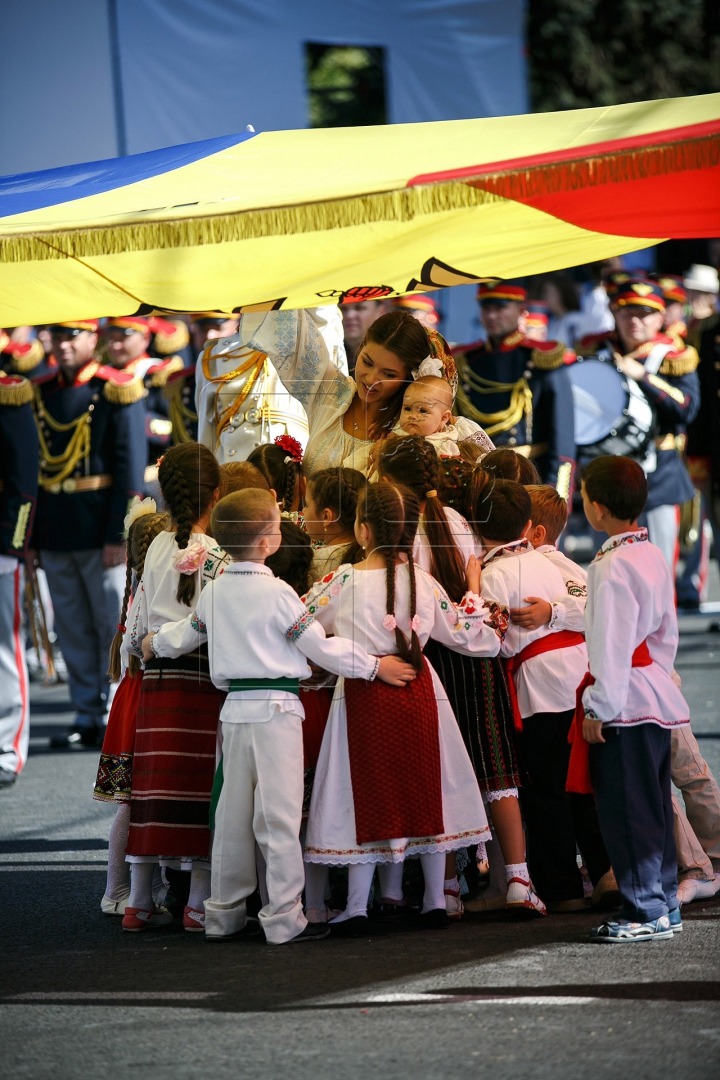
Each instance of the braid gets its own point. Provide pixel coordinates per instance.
(114, 666)
(416, 655)
(189, 477)
(290, 486)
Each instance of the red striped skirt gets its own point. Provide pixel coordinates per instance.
(174, 759)
(114, 775)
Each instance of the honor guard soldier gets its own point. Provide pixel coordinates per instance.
(18, 496)
(93, 451)
(23, 354)
(665, 374)
(517, 388)
(126, 342)
(676, 304)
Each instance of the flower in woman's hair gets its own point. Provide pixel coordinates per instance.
(291, 447)
(190, 559)
(389, 623)
(431, 365)
(415, 623)
(139, 507)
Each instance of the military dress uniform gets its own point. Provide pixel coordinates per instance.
(93, 452)
(520, 394)
(672, 389)
(18, 497)
(26, 359)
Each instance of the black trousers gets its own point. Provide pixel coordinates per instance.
(556, 821)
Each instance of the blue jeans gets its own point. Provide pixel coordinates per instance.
(631, 775)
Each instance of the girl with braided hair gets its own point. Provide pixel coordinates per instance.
(114, 775)
(393, 778)
(280, 462)
(178, 710)
(329, 515)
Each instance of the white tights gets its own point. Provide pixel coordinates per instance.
(118, 871)
(144, 880)
(360, 877)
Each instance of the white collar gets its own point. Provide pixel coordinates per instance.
(515, 547)
(636, 536)
(247, 567)
(543, 548)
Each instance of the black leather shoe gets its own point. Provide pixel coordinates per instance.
(357, 926)
(436, 919)
(313, 932)
(7, 777)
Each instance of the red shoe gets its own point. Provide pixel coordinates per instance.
(522, 898)
(194, 921)
(453, 904)
(136, 919)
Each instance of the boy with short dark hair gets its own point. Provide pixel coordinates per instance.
(629, 704)
(545, 666)
(259, 634)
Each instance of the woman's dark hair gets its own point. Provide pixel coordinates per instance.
(189, 476)
(337, 489)
(292, 560)
(391, 513)
(618, 483)
(413, 462)
(503, 510)
(141, 534)
(506, 464)
(280, 470)
(399, 333)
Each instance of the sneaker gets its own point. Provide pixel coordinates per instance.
(675, 921)
(114, 907)
(691, 889)
(522, 898)
(194, 921)
(312, 932)
(606, 894)
(622, 931)
(453, 904)
(136, 919)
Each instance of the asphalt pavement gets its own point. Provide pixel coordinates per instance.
(487, 997)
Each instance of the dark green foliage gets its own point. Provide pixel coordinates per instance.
(346, 85)
(606, 52)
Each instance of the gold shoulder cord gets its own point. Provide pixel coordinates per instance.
(180, 415)
(493, 423)
(255, 360)
(54, 468)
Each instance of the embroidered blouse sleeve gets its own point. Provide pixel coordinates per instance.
(126, 648)
(138, 627)
(568, 610)
(300, 355)
(215, 563)
(465, 627)
(611, 642)
(177, 638)
(321, 600)
(339, 655)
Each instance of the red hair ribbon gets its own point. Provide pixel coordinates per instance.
(291, 447)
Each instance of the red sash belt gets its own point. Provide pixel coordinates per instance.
(578, 777)
(561, 639)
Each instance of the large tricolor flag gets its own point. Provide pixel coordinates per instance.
(305, 217)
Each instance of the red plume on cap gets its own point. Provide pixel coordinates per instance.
(291, 447)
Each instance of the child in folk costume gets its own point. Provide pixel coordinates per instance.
(114, 775)
(566, 612)
(629, 704)
(393, 778)
(329, 516)
(239, 475)
(178, 711)
(280, 462)
(503, 463)
(475, 685)
(545, 666)
(259, 634)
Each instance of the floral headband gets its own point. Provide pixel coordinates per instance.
(439, 362)
(292, 448)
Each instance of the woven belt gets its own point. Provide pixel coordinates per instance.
(292, 686)
(76, 484)
(671, 442)
(536, 450)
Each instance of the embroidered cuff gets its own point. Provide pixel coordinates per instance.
(498, 617)
(299, 626)
(590, 714)
(376, 668)
(557, 617)
(153, 647)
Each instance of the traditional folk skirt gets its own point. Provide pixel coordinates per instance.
(114, 775)
(174, 761)
(316, 704)
(394, 750)
(478, 693)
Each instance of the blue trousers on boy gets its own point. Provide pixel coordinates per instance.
(631, 776)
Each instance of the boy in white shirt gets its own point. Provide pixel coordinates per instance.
(259, 634)
(630, 704)
(545, 667)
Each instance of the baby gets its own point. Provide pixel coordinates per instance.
(427, 411)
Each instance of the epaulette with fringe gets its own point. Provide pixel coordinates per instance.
(15, 390)
(546, 355)
(121, 387)
(173, 336)
(160, 373)
(680, 362)
(25, 357)
(180, 375)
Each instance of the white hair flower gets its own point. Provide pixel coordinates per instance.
(431, 365)
(139, 507)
